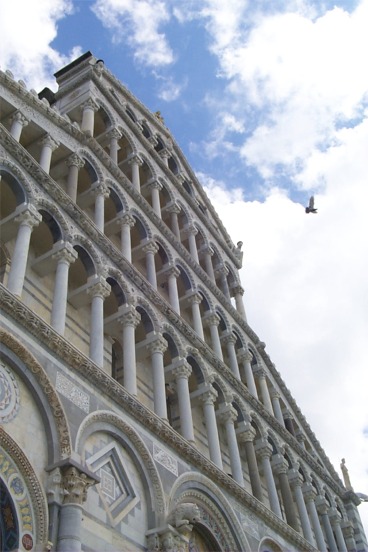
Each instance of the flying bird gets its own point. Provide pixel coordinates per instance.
(311, 208)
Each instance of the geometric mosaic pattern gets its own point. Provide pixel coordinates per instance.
(115, 489)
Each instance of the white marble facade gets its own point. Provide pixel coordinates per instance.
(139, 410)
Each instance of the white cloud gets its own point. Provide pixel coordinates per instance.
(27, 30)
(301, 74)
(138, 22)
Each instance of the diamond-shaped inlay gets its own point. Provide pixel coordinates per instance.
(115, 488)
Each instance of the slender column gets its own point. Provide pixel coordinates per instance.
(190, 232)
(165, 155)
(114, 136)
(208, 399)
(238, 294)
(300, 438)
(156, 349)
(280, 467)
(296, 482)
(88, 116)
(101, 192)
(223, 271)
(75, 163)
(150, 249)
(19, 121)
(182, 371)
(195, 300)
(228, 416)
(229, 339)
(246, 435)
(309, 498)
(264, 451)
(48, 146)
(129, 318)
(27, 220)
(245, 358)
(348, 532)
(64, 258)
(99, 290)
(155, 186)
(336, 526)
(323, 511)
(174, 210)
(207, 253)
(172, 274)
(275, 398)
(265, 395)
(127, 222)
(75, 485)
(212, 320)
(135, 162)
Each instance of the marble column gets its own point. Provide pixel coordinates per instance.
(309, 498)
(150, 249)
(75, 484)
(208, 399)
(89, 108)
(322, 508)
(165, 155)
(114, 135)
(223, 272)
(229, 340)
(174, 210)
(246, 435)
(135, 162)
(264, 450)
(349, 536)
(48, 146)
(245, 358)
(212, 320)
(336, 521)
(98, 290)
(265, 395)
(155, 187)
(208, 253)
(18, 122)
(181, 372)
(195, 300)
(129, 318)
(275, 398)
(75, 163)
(227, 416)
(101, 192)
(156, 348)
(296, 483)
(127, 222)
(172, 274)
(64, 258)
(238, 292)
(27, 219)
(190, 232)
(288, 422)
(280, 467)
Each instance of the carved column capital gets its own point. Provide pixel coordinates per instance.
(75, 484)
(99, 288)
(279, 464)
(190, 229)
(134, 159)
(150, 247)
(75, 161)
(67, 254)
(29, 217)
(49, 142)
(182, 369)
(154, 184)
(157, 345)
(237, 290)
(247, 433)
(244, 355)
(173, 207)
(209, 396)
(127, 220)
(228, 338)
(172, 270)
(20, 118)
(100, 189)
(90, 104)
(128, 316)
(211, 319)
(114, 134)
(227, 414)
(263, 449)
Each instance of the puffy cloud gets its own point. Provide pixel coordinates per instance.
(138, 22)
(27, 30)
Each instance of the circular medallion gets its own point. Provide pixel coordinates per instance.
(9, 395)
(27, 541)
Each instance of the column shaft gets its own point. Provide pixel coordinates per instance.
(212, 432)
(255, 480)
(69, 535)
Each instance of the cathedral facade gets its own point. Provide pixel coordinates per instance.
(139, 411)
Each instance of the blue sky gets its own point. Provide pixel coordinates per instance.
(268, 101)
